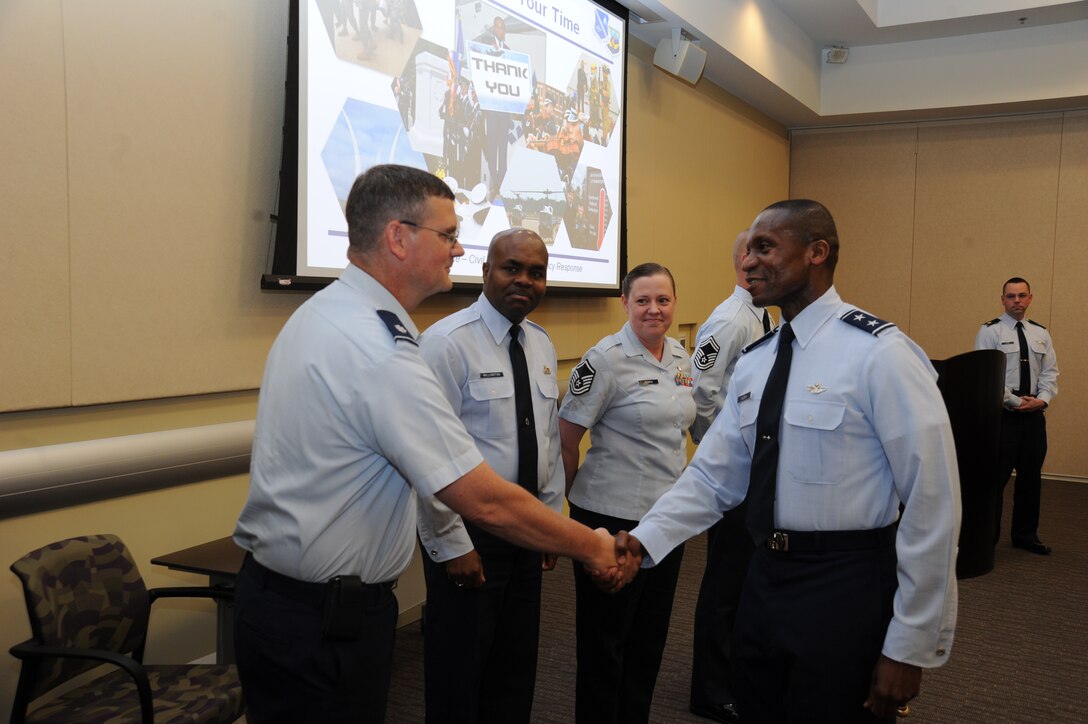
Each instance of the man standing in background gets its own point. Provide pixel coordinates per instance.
(498, 371)
(731, 327)
(1031, 382)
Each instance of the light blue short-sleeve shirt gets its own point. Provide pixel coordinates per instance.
(1000, 334)
(469, 352)
(638, 411)
(349, 420)
(731, 327)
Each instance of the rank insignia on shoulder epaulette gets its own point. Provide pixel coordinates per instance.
(581, 378)
(992, 322)
(760, 341)
(1032, 321)
(865, 321)
(396, 327)
(706, 355)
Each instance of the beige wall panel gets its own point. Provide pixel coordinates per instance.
(1066, 422)
(35, 356)
(987, 193)
(866, 179)
(175, 113)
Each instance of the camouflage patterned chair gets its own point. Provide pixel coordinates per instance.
(88, 606)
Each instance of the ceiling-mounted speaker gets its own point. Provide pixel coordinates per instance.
(680, 57)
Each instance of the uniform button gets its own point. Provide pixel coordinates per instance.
(940, 652)
(434, 553)
(810, 418)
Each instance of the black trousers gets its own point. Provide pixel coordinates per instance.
(728, 550)
(1023, 449)
(290, 674)
(480, 644)
(621, 636)
(809, 632)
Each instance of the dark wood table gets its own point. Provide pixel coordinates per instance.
(219, 560)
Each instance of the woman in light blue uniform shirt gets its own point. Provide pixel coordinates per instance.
(632, 391)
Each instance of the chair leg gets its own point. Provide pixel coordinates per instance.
(28, 674)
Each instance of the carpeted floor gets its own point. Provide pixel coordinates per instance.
(1020, 654)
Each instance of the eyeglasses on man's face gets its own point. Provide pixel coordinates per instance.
(451, 239)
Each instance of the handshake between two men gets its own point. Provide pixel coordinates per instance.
(627, 552)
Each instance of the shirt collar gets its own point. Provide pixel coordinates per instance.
(815, 315)
(632, 347)
(377, 295)
(497, 324)
(745, 297)
(1010, 320)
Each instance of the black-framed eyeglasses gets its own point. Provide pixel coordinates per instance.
(451, 239)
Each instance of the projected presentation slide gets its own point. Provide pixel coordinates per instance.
(516, 105)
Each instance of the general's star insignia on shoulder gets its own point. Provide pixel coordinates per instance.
(866, 322)
(396, 327)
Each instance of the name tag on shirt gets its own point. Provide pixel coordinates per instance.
(488, 375)
(744, 397)
(643, 383)
(1008, 343)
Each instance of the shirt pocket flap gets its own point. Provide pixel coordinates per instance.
(491, 388)
(548, 386)
(747, 412)
(815, 415)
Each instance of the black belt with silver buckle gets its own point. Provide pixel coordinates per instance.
(793, 541)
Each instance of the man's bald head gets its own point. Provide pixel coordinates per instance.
(516, 272)
(515, 236)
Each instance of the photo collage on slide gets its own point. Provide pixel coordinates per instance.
(520, 120)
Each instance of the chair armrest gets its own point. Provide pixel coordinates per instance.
(153, 594)
(219, 594)
(31, 649)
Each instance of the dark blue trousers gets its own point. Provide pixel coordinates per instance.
(480, 644)
(621, 636)
(809, 631)
(1023, 449)
(728, 549)
(290, 674)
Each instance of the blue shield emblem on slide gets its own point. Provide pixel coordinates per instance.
(600, 24)
(614, 40)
